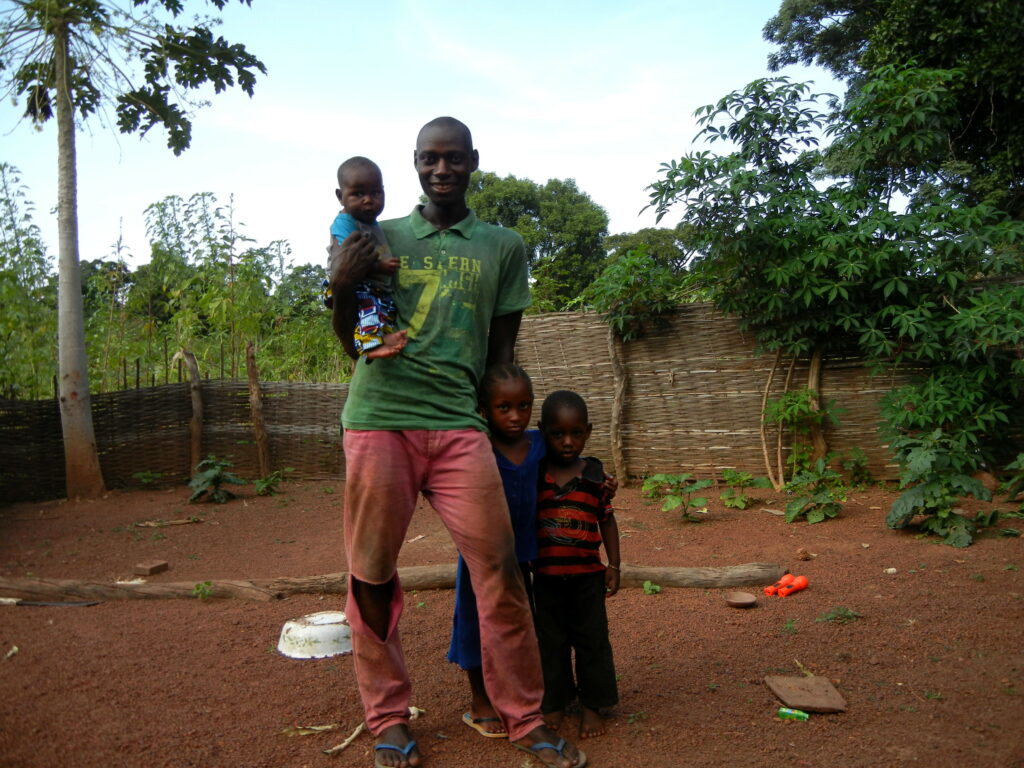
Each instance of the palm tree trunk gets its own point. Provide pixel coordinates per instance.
(84, 477)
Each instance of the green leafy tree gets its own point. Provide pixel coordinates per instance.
(28, 322)
(60, 58)
(805, 246)
(562, 226)
(215, 291)
(105, 286)
(671, 248)
(644, 278)
(635, 293)
(978, 43)
(298, 294)
(219, 299)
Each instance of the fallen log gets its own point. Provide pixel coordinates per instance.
(71, 589)
(744, 575)
(416, 577)
(422, 577)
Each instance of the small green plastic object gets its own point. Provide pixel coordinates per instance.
(792, 714)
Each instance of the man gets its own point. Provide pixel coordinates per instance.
(412, 426)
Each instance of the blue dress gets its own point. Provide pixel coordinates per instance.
(520, 481)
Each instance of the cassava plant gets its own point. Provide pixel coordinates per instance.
(800, 240)
(795, 410)
(855, 465)
(935, 476)
(635, 293)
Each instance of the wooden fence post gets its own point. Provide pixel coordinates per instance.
(777, 483)
(618, 407)
(195, 427)
(818, 441)
(256, 409)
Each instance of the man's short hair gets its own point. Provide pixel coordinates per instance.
(450, 123)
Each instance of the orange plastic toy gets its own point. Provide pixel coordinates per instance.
(787, 578)
(800, 582)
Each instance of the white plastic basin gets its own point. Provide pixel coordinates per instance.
(316, 636)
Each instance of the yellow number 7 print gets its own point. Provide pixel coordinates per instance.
(429, 279)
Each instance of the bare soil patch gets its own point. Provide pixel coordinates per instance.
(931, 671)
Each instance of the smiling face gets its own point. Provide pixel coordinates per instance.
(566, 432)
(362, 193)
(444, 160)
(508, 409)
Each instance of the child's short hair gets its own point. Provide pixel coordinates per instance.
(501, 372)
(563, 398)
(351, 164)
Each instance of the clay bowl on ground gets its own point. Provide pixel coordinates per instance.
(740, 599)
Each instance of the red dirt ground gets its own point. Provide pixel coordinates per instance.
(932, 671)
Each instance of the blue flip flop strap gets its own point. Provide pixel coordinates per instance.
(408, 747)
(548, 745)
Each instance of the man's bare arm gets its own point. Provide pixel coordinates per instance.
(352, 261)
(501, 340)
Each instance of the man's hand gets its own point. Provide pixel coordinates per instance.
(389, 265)
(351, 261)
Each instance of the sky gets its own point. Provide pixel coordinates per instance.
(597, 91)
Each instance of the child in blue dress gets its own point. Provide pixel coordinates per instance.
(361, 194)
(506, 401)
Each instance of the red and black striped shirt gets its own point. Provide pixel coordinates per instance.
(568, 522)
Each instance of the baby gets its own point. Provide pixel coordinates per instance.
(361, 194)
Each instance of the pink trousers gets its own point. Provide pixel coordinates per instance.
(456, 472)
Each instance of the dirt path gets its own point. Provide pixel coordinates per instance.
(933, 671)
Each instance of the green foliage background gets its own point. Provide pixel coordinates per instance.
(885, 222)
(208, 288)
(28, 295)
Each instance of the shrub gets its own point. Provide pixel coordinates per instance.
(211, 475)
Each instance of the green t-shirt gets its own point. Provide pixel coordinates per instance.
(450, 284)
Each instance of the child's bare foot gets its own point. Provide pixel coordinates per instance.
(393, 344)
(592, 723)
(396, 748)
(554, 719)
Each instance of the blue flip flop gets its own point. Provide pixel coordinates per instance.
(535, 750)
(404, 750)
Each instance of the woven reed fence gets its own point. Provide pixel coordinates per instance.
(690, 396)
(687, 399)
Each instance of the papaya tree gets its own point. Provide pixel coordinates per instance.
(64, 58)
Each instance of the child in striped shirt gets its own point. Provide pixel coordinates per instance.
(574, 519)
